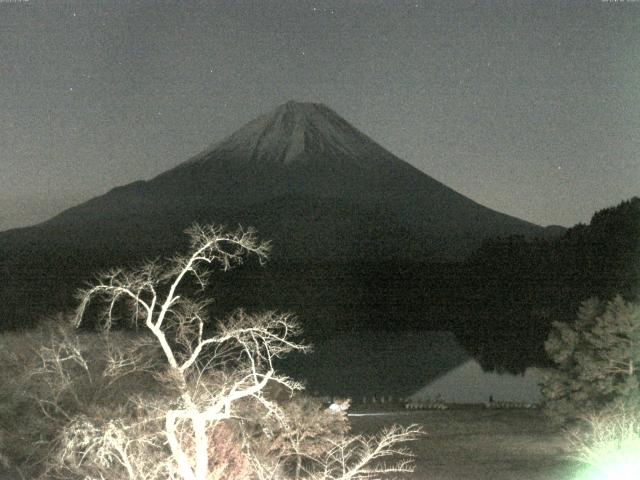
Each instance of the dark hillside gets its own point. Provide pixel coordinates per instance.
(522, 285)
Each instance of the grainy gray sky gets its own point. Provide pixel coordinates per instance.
(531, 108)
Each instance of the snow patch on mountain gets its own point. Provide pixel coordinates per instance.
(291, 132)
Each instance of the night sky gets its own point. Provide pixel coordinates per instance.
(529, 108)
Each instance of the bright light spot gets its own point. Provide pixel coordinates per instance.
(616, 460)
(628, 469)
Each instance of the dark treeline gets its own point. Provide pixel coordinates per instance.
(521, 286)
(500, 303)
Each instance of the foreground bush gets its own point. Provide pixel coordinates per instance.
(609, 443)
(597, 360)
(179, 399)
(55, 379)
(595, 387)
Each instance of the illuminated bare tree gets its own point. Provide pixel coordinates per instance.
(210, 376)
(247, 343)
(363, 458)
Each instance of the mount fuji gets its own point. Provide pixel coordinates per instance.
(308, 180)
(314, 185)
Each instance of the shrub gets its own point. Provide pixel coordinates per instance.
(609, 443)
(597, 359)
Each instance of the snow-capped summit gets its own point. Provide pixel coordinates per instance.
(295, 129)
(291, 132)
(296, 149)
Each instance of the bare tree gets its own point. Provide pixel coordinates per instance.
(362, 458)
(352, 457)
(249, 342)
(211, 374)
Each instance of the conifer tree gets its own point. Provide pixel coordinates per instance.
(597, 360)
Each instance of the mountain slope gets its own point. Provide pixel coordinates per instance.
(300, 150)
